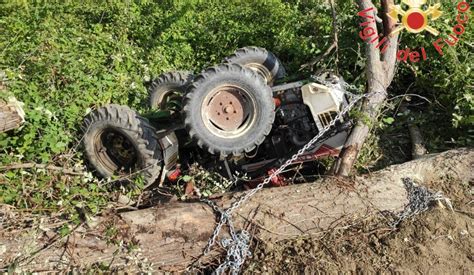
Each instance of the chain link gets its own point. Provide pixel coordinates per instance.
(237, 245)
(338, 83)
(419, 200)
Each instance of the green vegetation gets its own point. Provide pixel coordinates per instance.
(63, 59)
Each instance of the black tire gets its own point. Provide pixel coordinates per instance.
(138, 152)
(169, 86)
(255, 98)
(254, 58)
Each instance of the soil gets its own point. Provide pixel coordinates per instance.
(438, 241)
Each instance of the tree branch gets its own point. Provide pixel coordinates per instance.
(334, 44)
(390, 56)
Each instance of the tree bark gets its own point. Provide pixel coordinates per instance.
(11, 115)
(380, 69)
(172, 236)
(418, 148)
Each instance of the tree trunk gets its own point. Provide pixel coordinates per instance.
(418, 148)
(173, 236)
(380, 69)
(11, 115)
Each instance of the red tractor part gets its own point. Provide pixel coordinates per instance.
(277, 180)
(173, 176)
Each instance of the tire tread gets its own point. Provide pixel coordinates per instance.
(200, 80)
(140, 132)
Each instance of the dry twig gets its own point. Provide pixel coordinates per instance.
(32, 165)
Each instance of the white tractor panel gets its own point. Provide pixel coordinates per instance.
(322, 101)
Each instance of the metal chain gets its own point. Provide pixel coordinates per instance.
(419, 200)
(238, 244)
(340, 84)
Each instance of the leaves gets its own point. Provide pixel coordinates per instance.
(388, 120)
(63, 60)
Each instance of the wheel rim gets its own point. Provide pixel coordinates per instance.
(170, 101)
(115, 152)
(261, 70)
(228, 111)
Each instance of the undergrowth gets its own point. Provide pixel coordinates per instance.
(63, 59)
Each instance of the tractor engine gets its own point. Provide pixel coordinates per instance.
(296, 122)
(302, 111)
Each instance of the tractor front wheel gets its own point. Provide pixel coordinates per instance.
(262, 61)
(167, 90)
(118, 142)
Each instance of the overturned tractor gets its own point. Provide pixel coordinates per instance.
(238, 117)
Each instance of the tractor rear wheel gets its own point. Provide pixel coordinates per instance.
(229, 109)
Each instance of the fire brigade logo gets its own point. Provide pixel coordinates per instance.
(415, 19)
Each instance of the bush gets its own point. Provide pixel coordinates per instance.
(445, 80)
(64, 58)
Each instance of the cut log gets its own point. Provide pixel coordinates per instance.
(172, 236)
(11, 115)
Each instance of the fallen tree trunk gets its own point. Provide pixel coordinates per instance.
(174, 235)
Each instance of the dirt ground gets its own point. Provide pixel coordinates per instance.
(438, 241)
